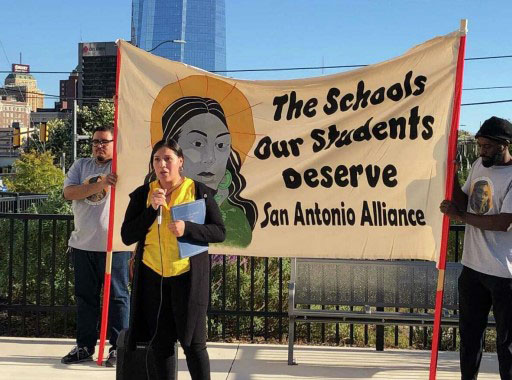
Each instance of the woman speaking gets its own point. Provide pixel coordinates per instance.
(170, 294)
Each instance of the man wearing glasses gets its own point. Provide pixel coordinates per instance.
(87, 184)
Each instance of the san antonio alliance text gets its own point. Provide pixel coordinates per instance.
(374, 213)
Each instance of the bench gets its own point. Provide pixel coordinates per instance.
(372, 285)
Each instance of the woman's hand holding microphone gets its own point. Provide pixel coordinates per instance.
(158, 200)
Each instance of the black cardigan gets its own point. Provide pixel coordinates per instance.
(137, 221)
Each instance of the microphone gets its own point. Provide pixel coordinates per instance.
(159, 216)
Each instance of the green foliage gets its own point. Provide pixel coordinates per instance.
(33, 144)
(60, 132)
(35, 173)
(100, 115)
(463, 134)
(89, 118)
(59, 139)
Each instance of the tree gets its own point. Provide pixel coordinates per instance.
(91, 117)
(59, 140)
(33, 143)
(36, 173)
(60, 132)
(464, 135)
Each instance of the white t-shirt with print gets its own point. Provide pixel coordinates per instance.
(489, 192)
(91, 213)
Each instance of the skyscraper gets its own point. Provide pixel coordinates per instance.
(97, 62)
(195, 29)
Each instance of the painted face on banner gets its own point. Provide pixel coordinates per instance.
(206, 145)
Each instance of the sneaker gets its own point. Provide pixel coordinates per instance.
(111, 359)
(78, 355)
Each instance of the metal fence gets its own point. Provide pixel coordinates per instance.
(19, 202)
(248, 297)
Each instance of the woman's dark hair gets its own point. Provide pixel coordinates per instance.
(172, 145)
(182, 110)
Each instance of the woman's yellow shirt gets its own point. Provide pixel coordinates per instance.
(172, 264)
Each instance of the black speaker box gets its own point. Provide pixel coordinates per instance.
(131, 361)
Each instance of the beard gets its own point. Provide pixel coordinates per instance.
(487, 162)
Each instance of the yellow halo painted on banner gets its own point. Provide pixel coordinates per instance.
(236, 108)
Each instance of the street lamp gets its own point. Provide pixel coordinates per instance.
(182, 49)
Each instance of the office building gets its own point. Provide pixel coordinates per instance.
(97, 63)
(44, 115)
(195, 30)
(14, 111)
(14, 119)
(68, 92)
(8, 152)
(22, 82)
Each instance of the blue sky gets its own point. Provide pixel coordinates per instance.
(283, 33)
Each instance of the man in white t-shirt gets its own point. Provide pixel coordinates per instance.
(87, 184)
(484, 204)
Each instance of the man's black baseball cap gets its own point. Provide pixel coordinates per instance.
(496, 128)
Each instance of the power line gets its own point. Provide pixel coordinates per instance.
(7, 59)
(41, 72)
(276, 69)
(289, 69)
(464, 89)
(5, 53)
(489, 102)
(485, 88)
(50, 96)
(492, 57)
(73, 98)
(463, 104)
(272, 69)
(111, 101)
(338, 66)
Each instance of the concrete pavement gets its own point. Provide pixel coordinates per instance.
(32, 358)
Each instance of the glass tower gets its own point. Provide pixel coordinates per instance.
(197, 27)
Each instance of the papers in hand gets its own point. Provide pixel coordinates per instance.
(191, 212)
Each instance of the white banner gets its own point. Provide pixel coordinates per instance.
(350, 165)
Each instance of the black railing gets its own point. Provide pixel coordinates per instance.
(248, 297)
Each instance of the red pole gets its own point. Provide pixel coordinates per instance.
(108, 258)
(450, 172)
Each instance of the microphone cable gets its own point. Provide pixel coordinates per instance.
(233, 362)
(161, 301)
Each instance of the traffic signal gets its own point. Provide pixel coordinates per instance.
(16, 135)
(43, 132)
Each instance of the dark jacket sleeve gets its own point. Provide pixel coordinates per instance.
(138, 218)
(213, 230)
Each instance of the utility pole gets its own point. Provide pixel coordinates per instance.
(75, 136)
(63, 162)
